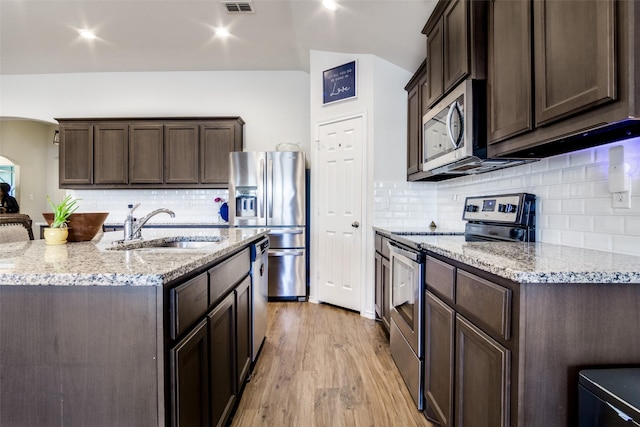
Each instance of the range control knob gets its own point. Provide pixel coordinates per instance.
(509, 208)
(501, 207)
(471, 208)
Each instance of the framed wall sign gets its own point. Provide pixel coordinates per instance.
(339, 83)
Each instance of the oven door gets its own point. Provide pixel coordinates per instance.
(407, 277)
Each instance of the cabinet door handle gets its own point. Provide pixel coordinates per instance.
(355, 224)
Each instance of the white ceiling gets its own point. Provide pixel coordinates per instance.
(41, 36)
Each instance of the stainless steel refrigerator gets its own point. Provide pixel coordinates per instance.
(268, 189)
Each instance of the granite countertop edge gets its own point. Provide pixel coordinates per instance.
(96, 263)
(528, 263)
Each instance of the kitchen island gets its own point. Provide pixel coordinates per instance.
(106, 334)
(508, 326)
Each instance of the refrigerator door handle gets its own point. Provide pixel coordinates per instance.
(286, 231)
(286, 252)
(269, 188)
(260, 201)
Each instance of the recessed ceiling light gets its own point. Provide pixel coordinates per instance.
(87, 34)
(330, 4)
(222, 32)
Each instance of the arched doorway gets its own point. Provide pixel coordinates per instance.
(9, 173)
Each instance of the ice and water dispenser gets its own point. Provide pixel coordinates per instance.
(246, 202)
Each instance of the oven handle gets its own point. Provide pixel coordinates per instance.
(413, 256)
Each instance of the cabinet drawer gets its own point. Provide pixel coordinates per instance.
(225, 275)
(188, 302)
(378, 242)
(440, 277)
(381, 245)
(489, 303)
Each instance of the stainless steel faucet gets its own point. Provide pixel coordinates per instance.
(133, 227)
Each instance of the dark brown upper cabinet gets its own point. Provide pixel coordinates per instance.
(111, 149)
(509, 73)
(435, 63)
(574, 51)
(217, 140)
(417, 90)
(148, 153)
(181, 153)
(76, 154)
(569, 81)
(456, 45)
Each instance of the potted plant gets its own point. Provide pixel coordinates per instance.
(58, 230)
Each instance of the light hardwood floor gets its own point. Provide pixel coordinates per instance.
(325, 366)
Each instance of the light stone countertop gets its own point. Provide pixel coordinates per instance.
(530, 262)
(95, 263)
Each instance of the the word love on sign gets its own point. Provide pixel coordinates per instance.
(339, 83)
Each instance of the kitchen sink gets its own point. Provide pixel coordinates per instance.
(168, 243)
(188, 244)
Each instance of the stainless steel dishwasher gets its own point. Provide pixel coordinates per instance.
(260, 294)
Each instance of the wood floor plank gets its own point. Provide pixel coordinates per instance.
(324, 366)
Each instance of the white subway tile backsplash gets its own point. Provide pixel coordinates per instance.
(599, 205)
(573, 200)
(598, 241)
(581, 222)
(558, 162)
(551, 177)
(557, 191)
(584, 157)
(572, 238)
(190, 206)
(550, 206)
(609, 224)
(632, 225)
(572, 206)
(626, 244)
(539, 166)
(549, 235)
(574, 174)
(560, 222)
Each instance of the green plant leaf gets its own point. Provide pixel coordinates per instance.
(62, 211)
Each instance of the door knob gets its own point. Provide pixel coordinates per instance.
(355, 224)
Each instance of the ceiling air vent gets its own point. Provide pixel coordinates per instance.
(238, 6)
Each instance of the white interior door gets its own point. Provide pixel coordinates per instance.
(340, 191)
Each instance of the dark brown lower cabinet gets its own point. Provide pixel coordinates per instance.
(383, 275)
(243, 308)
(482, 378)
(382, 282)
(222, 327)
(439, 351)
(189, 376)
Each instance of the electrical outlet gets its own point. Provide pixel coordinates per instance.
(622, 200)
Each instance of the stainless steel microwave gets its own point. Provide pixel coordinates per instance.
(454, 130)
(455, 134)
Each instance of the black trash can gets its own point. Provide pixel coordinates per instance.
(609, 397)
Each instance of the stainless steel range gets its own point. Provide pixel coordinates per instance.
(505, 217)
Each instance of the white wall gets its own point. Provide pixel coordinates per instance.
(573, 202)
(28, 144)
(274, 105)
(382, 101)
